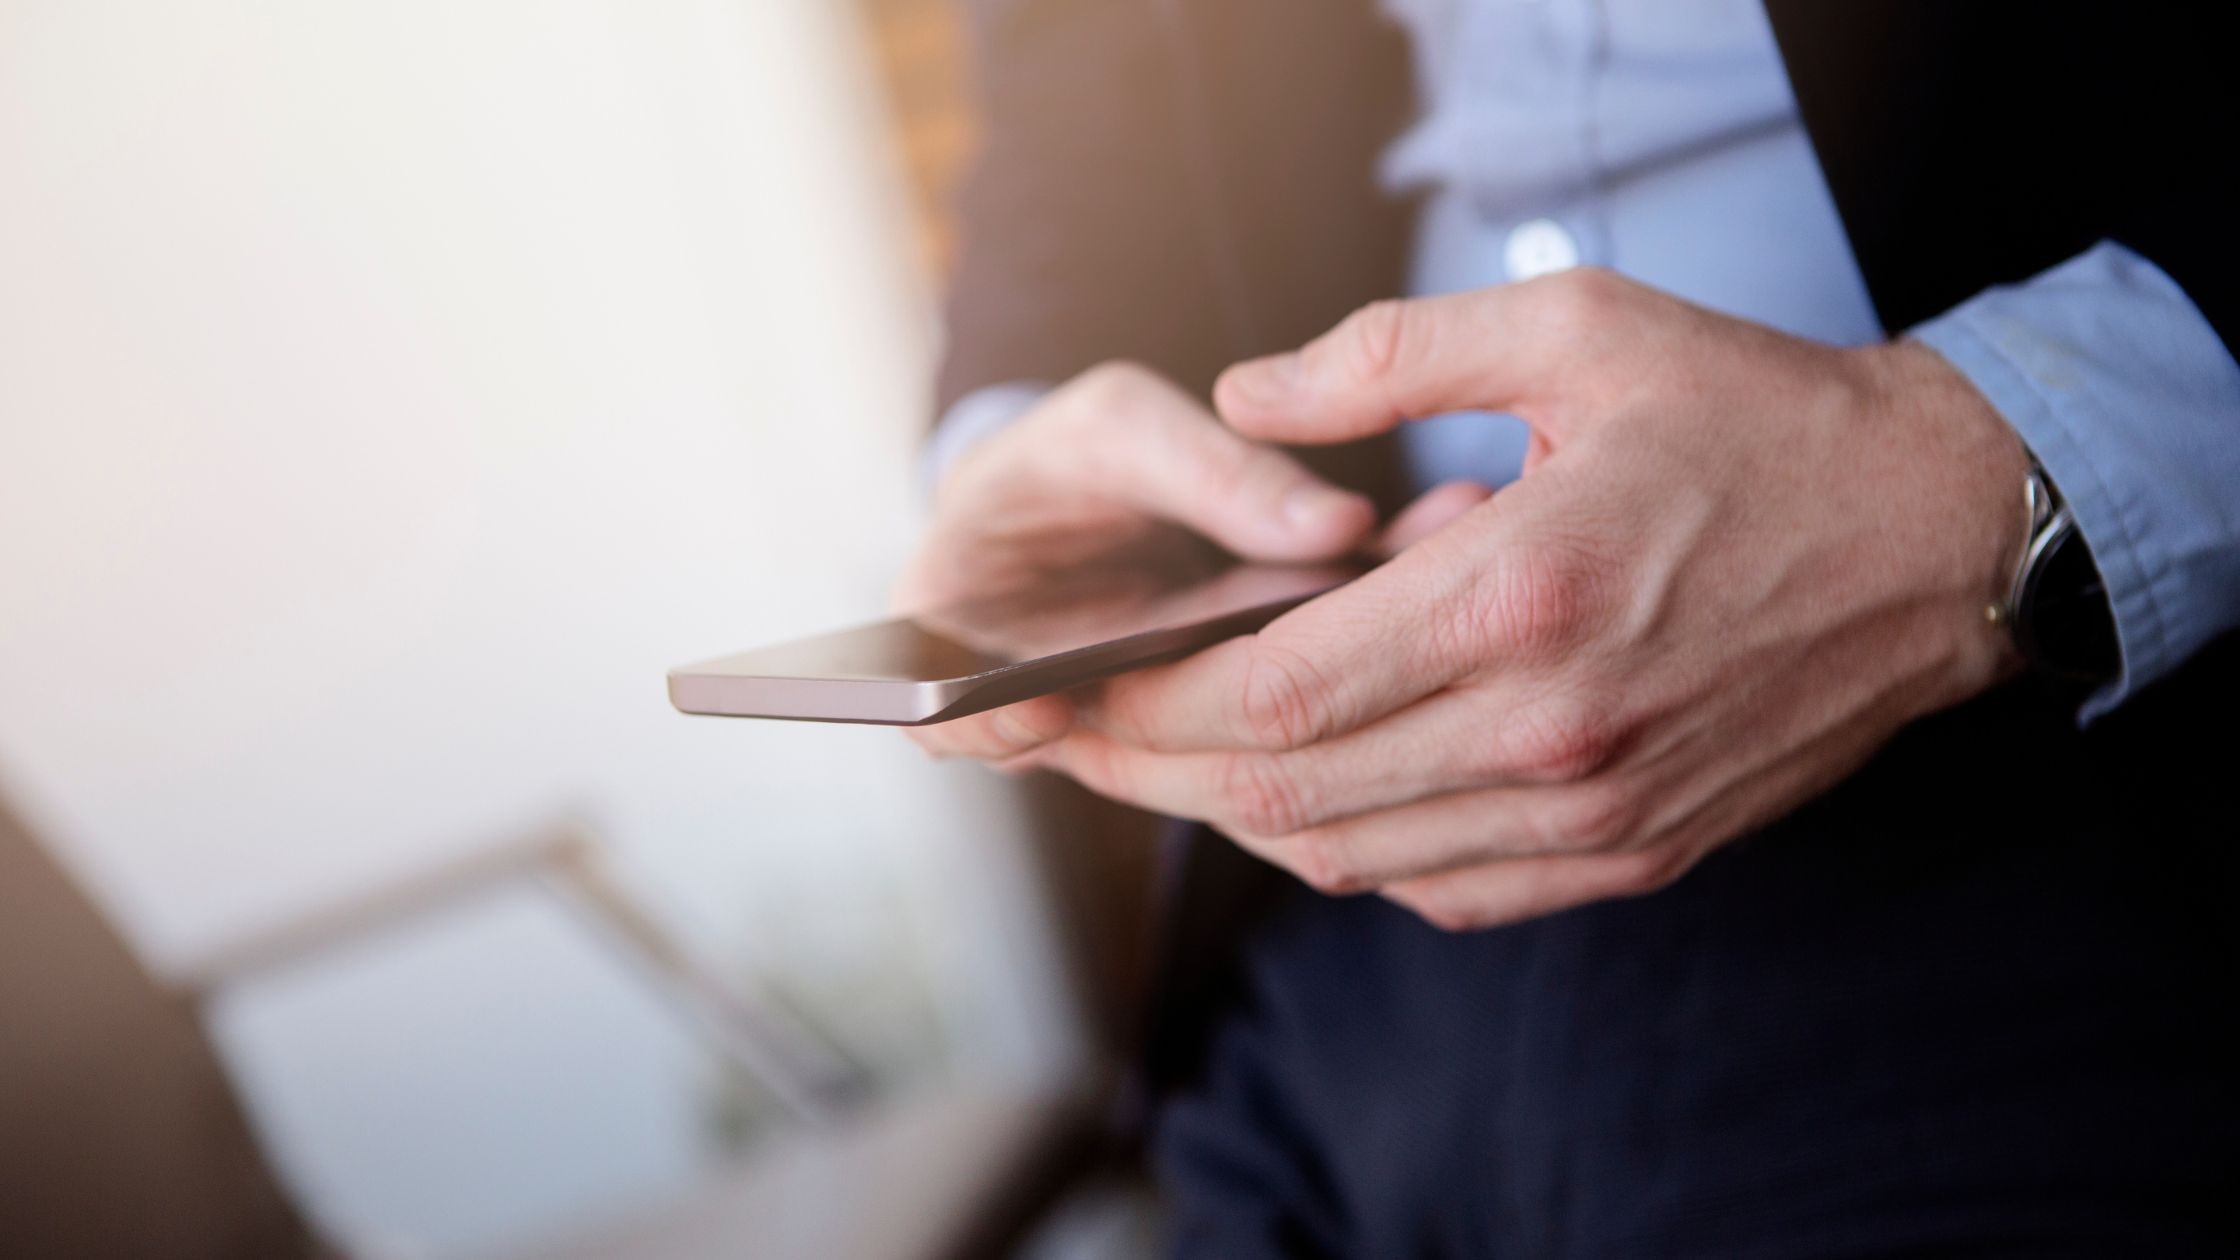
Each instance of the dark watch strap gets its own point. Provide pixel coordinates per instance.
(2057, 607)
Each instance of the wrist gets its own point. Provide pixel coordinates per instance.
(1978, 474)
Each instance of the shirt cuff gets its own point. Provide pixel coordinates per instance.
(971, 420)
(2127, 397)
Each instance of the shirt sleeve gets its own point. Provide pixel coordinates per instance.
(971, 420)
(2130, 401)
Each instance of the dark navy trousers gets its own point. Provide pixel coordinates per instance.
(1975, 1002)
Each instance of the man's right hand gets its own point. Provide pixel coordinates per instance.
(1117, 465)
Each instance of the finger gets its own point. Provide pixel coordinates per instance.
(1464, 829)
(998, 734)
(1148, 444)
(1499, 348)
(1430, 513)
(1387, 362)
(1500, 893)
(1553, 848)
(1671, 835)
(1331, 665)
(1459, 740)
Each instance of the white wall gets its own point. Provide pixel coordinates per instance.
(389, 391)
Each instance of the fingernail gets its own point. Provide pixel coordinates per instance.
(1318, 507)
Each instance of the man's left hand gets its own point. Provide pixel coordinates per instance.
(1737, 563)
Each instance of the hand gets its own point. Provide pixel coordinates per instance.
(1736, 564)
(1118, 465)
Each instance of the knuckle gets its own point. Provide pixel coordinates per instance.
(1258, 797)
(1325, 863)
(1540, 601)
(1597, 819)
(1561, 741)
(1109, 386)
(1279, 703)
(1374, 338)
(1579, 299)
(1657, 869)
(1448, 914)
(1112, 376)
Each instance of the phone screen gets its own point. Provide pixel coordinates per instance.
(1083, 611)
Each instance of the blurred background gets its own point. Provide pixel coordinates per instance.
(389, 393)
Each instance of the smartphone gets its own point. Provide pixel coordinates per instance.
(948, 662)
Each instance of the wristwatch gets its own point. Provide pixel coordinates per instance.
(2057, 605)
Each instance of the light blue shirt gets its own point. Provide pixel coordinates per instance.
(1659, 138)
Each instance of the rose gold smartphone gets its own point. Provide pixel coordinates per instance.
(968, 657)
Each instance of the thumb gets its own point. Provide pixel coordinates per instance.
(1392, 361)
